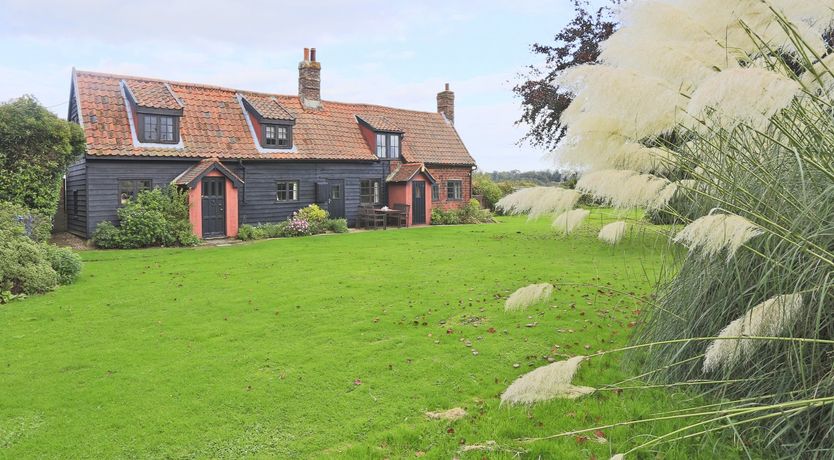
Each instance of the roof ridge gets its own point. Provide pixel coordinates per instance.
(239, 90)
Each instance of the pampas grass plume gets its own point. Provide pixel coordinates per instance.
(714, 233)
(613, 232)
(547, 382)
(748, 95)
(554, 200)
(526, 296)
(569, 220)
(768, 319)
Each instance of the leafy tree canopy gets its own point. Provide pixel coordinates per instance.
(35, 149)
(542, 100)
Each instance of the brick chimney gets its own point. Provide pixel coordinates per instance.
(309, 80)
(446, 104)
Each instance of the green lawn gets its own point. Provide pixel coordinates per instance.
(255, 350)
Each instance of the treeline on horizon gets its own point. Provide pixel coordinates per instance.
(541, 177)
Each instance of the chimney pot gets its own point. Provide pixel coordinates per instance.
(309, 80)
(447, 87)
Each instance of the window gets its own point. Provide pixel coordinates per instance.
(454, 190)
(435, 192)
(129, 188)
(387, 145)
(369, 192)
(161, 129)
(287, 190)
(335, 191)
(276, 136)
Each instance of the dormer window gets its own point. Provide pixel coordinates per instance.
(271, 123)
(276, 136)
(388, 145)
(158, 129)
(155, 111)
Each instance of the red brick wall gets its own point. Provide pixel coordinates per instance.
(445, 173)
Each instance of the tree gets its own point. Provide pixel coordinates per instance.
(35, 149)
(542, 100)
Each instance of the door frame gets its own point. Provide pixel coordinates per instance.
(221, 183)
(418, 218)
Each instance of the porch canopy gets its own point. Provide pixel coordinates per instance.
(192, 176)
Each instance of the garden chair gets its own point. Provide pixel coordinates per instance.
(401, 218)
(369, 218)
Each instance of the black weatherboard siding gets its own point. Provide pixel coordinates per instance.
(75, 198)
(258, 203)
(96, 182)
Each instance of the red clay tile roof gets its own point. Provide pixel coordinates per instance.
(380, 123)
(268, 107)
(202, 167)
(153, 94)
(406, 171)
(214, 125)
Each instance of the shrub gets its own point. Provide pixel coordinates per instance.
(298, 227)
(26, 268)
(473, 214)
(157, 217)
(312, 214)
(469, 214)
(106, 235)
(65, 262)
(484, 185)
(35, 149)
(336, 225)
(18, 220)
(246, 232)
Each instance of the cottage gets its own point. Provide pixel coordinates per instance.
(249, 157)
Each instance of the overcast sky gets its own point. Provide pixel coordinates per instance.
(396, 53)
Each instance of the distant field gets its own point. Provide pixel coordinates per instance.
(330, 346)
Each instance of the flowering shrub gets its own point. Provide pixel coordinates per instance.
(298, 227)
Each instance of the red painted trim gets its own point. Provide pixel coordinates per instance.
(403, 194)
(195, 211)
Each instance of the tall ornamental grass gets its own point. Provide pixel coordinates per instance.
(719, 115)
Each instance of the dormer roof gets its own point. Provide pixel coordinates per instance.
(153, 95)
(380, 123)
(267, 107)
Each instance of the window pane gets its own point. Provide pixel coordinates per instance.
(283, 136)
(394, 149)
(293, 191)
(166, 129)
(269, 135)
(454, 190)
(151, 128)
(435, 192)
(381, 147)
(125, 191)
(376, 192)
(282, 191)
